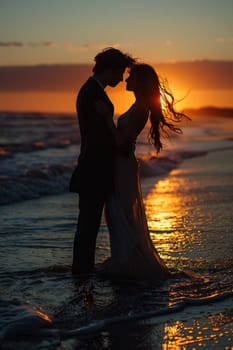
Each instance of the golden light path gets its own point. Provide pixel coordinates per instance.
(167, 217)
(165, 214)
(167, 207)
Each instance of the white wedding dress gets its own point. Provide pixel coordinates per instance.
(132, 252)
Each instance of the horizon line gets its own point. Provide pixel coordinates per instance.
(202, 108)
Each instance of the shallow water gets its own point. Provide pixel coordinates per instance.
(39, 151)
(190, 219)
(189, 215)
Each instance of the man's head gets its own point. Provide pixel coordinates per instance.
(110, 65)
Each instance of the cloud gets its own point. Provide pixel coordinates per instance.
(168, 43)
(58, 45)
(89, 47)
(196, 75)
(224, 40)
(10, 44)
(43, 77)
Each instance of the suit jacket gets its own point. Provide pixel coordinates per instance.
(98, 148)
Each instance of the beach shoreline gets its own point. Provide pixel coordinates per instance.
(124, 314)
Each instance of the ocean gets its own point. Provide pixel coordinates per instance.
(188, 196)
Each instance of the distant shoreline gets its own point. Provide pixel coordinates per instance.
(210, 111)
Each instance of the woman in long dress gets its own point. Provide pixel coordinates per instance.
(133, 254)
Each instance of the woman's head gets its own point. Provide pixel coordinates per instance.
(144, 82)
(147, 87)
(142, 78)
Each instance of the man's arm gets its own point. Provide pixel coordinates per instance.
(103, 109)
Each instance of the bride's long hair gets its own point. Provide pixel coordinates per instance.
(160, 101)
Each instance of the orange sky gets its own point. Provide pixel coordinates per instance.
(64, 35)
(53, 88)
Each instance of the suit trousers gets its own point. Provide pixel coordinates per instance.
(91, 204)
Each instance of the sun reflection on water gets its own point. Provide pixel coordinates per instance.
(43, 316)
(168, 218)
(177, 216)
(181, 335)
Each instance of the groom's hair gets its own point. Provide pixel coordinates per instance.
(113, 59)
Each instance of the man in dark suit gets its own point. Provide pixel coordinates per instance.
(93, 177)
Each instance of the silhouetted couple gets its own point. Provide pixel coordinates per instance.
(107, 172)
